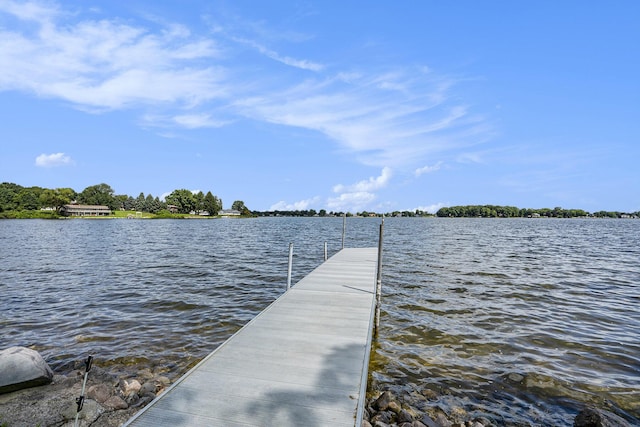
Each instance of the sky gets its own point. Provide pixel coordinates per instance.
(344, 106)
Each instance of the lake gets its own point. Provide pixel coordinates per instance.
(520, 320)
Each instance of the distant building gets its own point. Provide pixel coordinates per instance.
(85, 210)
(229, 212)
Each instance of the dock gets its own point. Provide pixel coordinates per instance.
(303, 361)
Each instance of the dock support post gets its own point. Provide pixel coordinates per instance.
(290, 266)
(344, 227)
(379, 278)
(325, 251)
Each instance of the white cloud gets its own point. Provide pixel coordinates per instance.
(194, 121)
(53, 160)
(105, 64)
(395, 117)
(29, 11)
(357, 196)
(388, 119)
(292, 62)
(431, 208)
(296, 206)
(470, 158)
(371, 184)
(428, 169)
(356, 201)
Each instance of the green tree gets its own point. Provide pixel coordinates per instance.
(101, 194)
(212, 204)
(8, 193)
(57, 198)
(148, 205)
(29, 198)
(141, 203)
(199, 202)
(121, 200)
(183, 199)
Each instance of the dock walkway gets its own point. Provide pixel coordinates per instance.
(303, 361)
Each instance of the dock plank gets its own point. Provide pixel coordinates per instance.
(302, 361)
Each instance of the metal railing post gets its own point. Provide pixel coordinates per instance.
(344, 227)
(290, 266)
(379, 277)
(325, 251)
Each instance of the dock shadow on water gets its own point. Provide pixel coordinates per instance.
(330, 401)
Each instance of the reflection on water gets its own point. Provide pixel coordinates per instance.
(520, 320)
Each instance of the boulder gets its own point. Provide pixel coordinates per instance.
(382, 402)
(21, 368)
(593, 417)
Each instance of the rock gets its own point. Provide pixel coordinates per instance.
(130, 387)
(366, 423)
(593, 417)
(405, 416)
(515, 377)
(145, 374)
(384, 417)
(458, 414)
(428, 422)
(21, 368)
(91, 411)
(99, 392)
(143, 401)
(484, 422)
(115, 402)
(382, 402)
(148, 388)
(394, 407)
(442, 421)
(165, 381)
(429, 394)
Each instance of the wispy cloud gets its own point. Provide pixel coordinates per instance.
(428, 169)
(393, 119)
(296, 206)
(396, 117)
(105, 64)
(303, 64)
(367, 185)
(53, 160)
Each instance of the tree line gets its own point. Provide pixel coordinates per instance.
(491, 211)
(14, 197)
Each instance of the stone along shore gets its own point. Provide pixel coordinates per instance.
(112, 398)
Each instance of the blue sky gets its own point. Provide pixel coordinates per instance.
(344, 106)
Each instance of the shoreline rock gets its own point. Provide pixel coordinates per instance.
(385, 410)
(22, 368)
(110, 399)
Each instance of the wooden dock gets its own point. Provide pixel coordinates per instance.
(303, 361)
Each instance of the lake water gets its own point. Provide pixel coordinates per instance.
(520, 320)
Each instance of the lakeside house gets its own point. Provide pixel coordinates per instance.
(85, 210)
(229, 212)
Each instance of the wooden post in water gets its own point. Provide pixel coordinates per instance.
(290, 266)
(325, 251)
(379, 278)
(344, 227)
